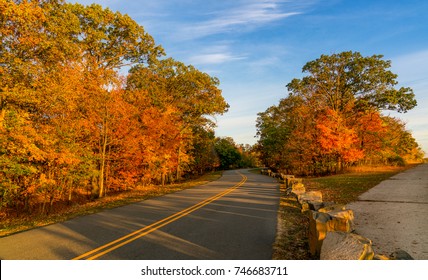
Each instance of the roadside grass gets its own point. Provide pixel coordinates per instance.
(345, 188)
(292, 230)
(10, 225)
(291, 241)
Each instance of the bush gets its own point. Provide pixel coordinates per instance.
(396, 161)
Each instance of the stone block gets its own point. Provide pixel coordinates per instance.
(314, 205)
(401, 255)
(346, 246)
(283, 177)
(304, 207)
(341, 220)
(378, 257)
(286, 176)
(312, 196)
(289, 182)
(318, 228)
(309, 200)
(320, 223)
(296, 189)
(333, 207)
(310, 205)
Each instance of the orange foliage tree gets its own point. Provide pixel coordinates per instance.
(71, 124)
(332, 117)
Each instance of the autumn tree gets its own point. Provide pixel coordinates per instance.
(274, 129)
(193, 95)
(33, 52)
(398, 144)
(348, 82)
(203, 153)
(109, 41)
(249, 156)
(71, 123)
(332, 116)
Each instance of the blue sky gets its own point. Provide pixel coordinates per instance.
(256, 47)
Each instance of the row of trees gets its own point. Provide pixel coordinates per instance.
(71, 123)
(231, 155)
(332, 118)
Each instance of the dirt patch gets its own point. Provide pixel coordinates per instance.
(292, 233)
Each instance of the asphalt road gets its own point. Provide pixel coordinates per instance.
(234, 217)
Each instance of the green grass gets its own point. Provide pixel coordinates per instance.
(345, 188)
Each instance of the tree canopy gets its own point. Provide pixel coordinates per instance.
(332, 117)
(72, 124)
(348, 79)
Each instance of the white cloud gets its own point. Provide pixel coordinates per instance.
(213, 58)
(215, 54)
(247, 15)
(241, 128)
(265, 61)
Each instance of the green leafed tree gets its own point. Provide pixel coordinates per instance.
(228, 153)
(350, 81)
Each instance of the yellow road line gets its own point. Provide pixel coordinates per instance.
(113, 245)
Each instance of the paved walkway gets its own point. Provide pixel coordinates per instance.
(394, 214)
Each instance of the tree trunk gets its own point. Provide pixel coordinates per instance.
(178, 173)
(70, 191)
(103, 162)
(163, 179)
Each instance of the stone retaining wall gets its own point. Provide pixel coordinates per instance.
(331, 227)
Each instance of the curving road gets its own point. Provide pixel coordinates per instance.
(234, 217)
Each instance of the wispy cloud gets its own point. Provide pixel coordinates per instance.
(215, 54)
(214, 58)
(249, 14)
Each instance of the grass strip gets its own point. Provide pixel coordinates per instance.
(347, 187)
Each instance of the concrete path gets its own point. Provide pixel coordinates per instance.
(394, 214)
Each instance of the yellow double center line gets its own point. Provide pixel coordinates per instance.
(102, 250)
